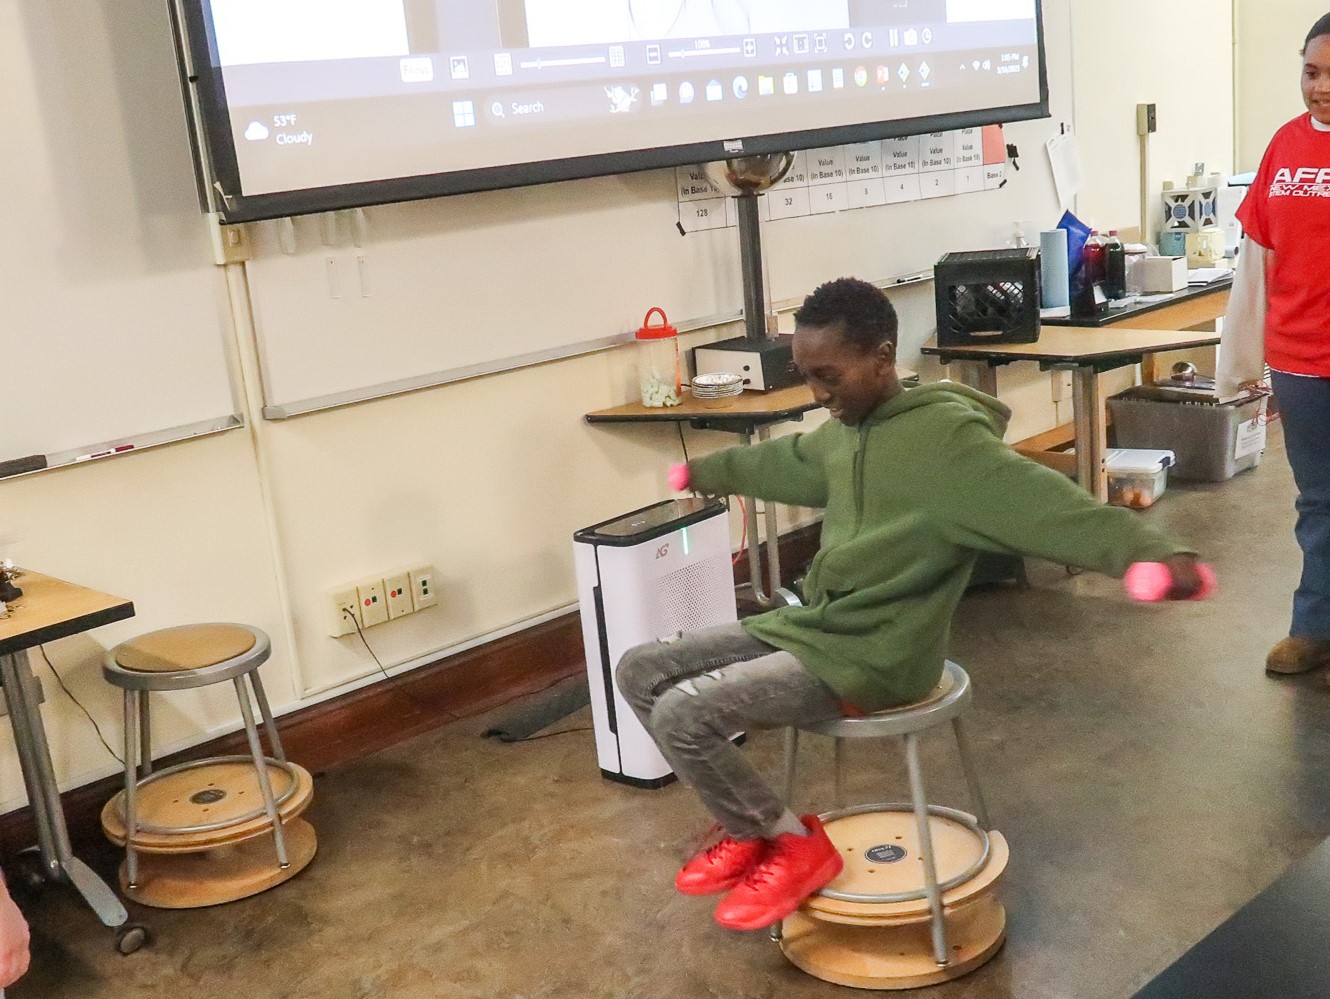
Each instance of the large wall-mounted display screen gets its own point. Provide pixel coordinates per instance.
(311, 105)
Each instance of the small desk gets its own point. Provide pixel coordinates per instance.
(1086, 353)
(751, 416)
(50, 609)
(1183, 310)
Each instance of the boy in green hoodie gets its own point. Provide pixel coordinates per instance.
(915, 484)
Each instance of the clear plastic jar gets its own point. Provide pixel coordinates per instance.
(659, 371)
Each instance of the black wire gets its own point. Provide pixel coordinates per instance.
(398, 685)
(551, 735)
(682, 441)
(54, 672)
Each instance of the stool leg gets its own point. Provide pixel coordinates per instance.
(920, 801)
(791, 759)
(145, 734)
(971, 776)
(131, 786)
(268, 723)
(261, 764)
(838, 775)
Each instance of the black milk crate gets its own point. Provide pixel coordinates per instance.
(988, 296)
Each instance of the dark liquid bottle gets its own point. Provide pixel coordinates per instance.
(1094, 259)
(1115, 267)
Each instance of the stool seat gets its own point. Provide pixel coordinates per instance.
(192, 655)
(945, 702)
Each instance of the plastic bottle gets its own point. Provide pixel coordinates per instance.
(1115, 267)
(659, 370)
(1094, 259)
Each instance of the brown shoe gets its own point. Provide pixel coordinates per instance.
(1298, 655)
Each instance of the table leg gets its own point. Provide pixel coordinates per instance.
(12, 667)
(1091, 434)
(977, 375)
(97, 894)
(21, 694)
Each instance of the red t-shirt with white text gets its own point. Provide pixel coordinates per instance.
(1287, 211)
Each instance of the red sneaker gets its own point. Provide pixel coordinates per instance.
(794, 868)
(720, 867)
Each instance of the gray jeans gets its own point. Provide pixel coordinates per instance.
(695, 692)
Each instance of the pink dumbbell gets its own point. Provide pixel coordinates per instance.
(679, 478)
(1149, 582)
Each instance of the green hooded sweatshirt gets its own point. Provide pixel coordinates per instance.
(912, 496)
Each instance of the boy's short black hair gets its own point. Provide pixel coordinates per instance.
(1319, 30)
(863, 312)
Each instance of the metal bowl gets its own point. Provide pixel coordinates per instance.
(749, 174)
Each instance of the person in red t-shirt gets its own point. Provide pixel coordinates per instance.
(1281, 297)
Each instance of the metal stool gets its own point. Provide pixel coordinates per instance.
(945, 703)
(181, 659)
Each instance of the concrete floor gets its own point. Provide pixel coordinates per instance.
(1149, 776)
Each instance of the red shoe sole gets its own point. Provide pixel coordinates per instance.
(814, 883)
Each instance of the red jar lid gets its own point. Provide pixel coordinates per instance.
(662, 332)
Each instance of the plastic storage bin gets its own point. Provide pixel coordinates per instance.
(1212, 442)
(1137, 478)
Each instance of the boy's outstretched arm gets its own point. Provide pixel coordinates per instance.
(785, 470)
(998, 501)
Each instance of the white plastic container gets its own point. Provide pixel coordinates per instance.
(1137, 479)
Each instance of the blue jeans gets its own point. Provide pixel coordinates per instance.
(1304, 407)
(693, 693)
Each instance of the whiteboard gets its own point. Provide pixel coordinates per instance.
(113, 324)
(429, 292)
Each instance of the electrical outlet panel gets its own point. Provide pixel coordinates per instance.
(343, 611)
(373, 602)
(398, 590)
(424, 591)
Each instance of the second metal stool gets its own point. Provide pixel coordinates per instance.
(215, 815)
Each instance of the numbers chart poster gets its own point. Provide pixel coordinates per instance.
(866, 175)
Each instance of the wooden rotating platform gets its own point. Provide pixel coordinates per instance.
(889, 946)
(215, 794)
(233, 859)
(225, 874)
(894, 957)
(882, 856)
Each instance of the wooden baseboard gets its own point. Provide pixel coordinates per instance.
(383, 714)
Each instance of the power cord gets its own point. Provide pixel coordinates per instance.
(551, 735)
(743, 541)
(58, 679)
(396, 682)
(682, 442)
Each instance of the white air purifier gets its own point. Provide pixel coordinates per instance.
(640, 577)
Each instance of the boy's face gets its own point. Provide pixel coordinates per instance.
(848, 380)
(1316, 78)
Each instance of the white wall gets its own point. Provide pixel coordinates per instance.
(1128, 53)
(1269, 69)
(487, 478)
